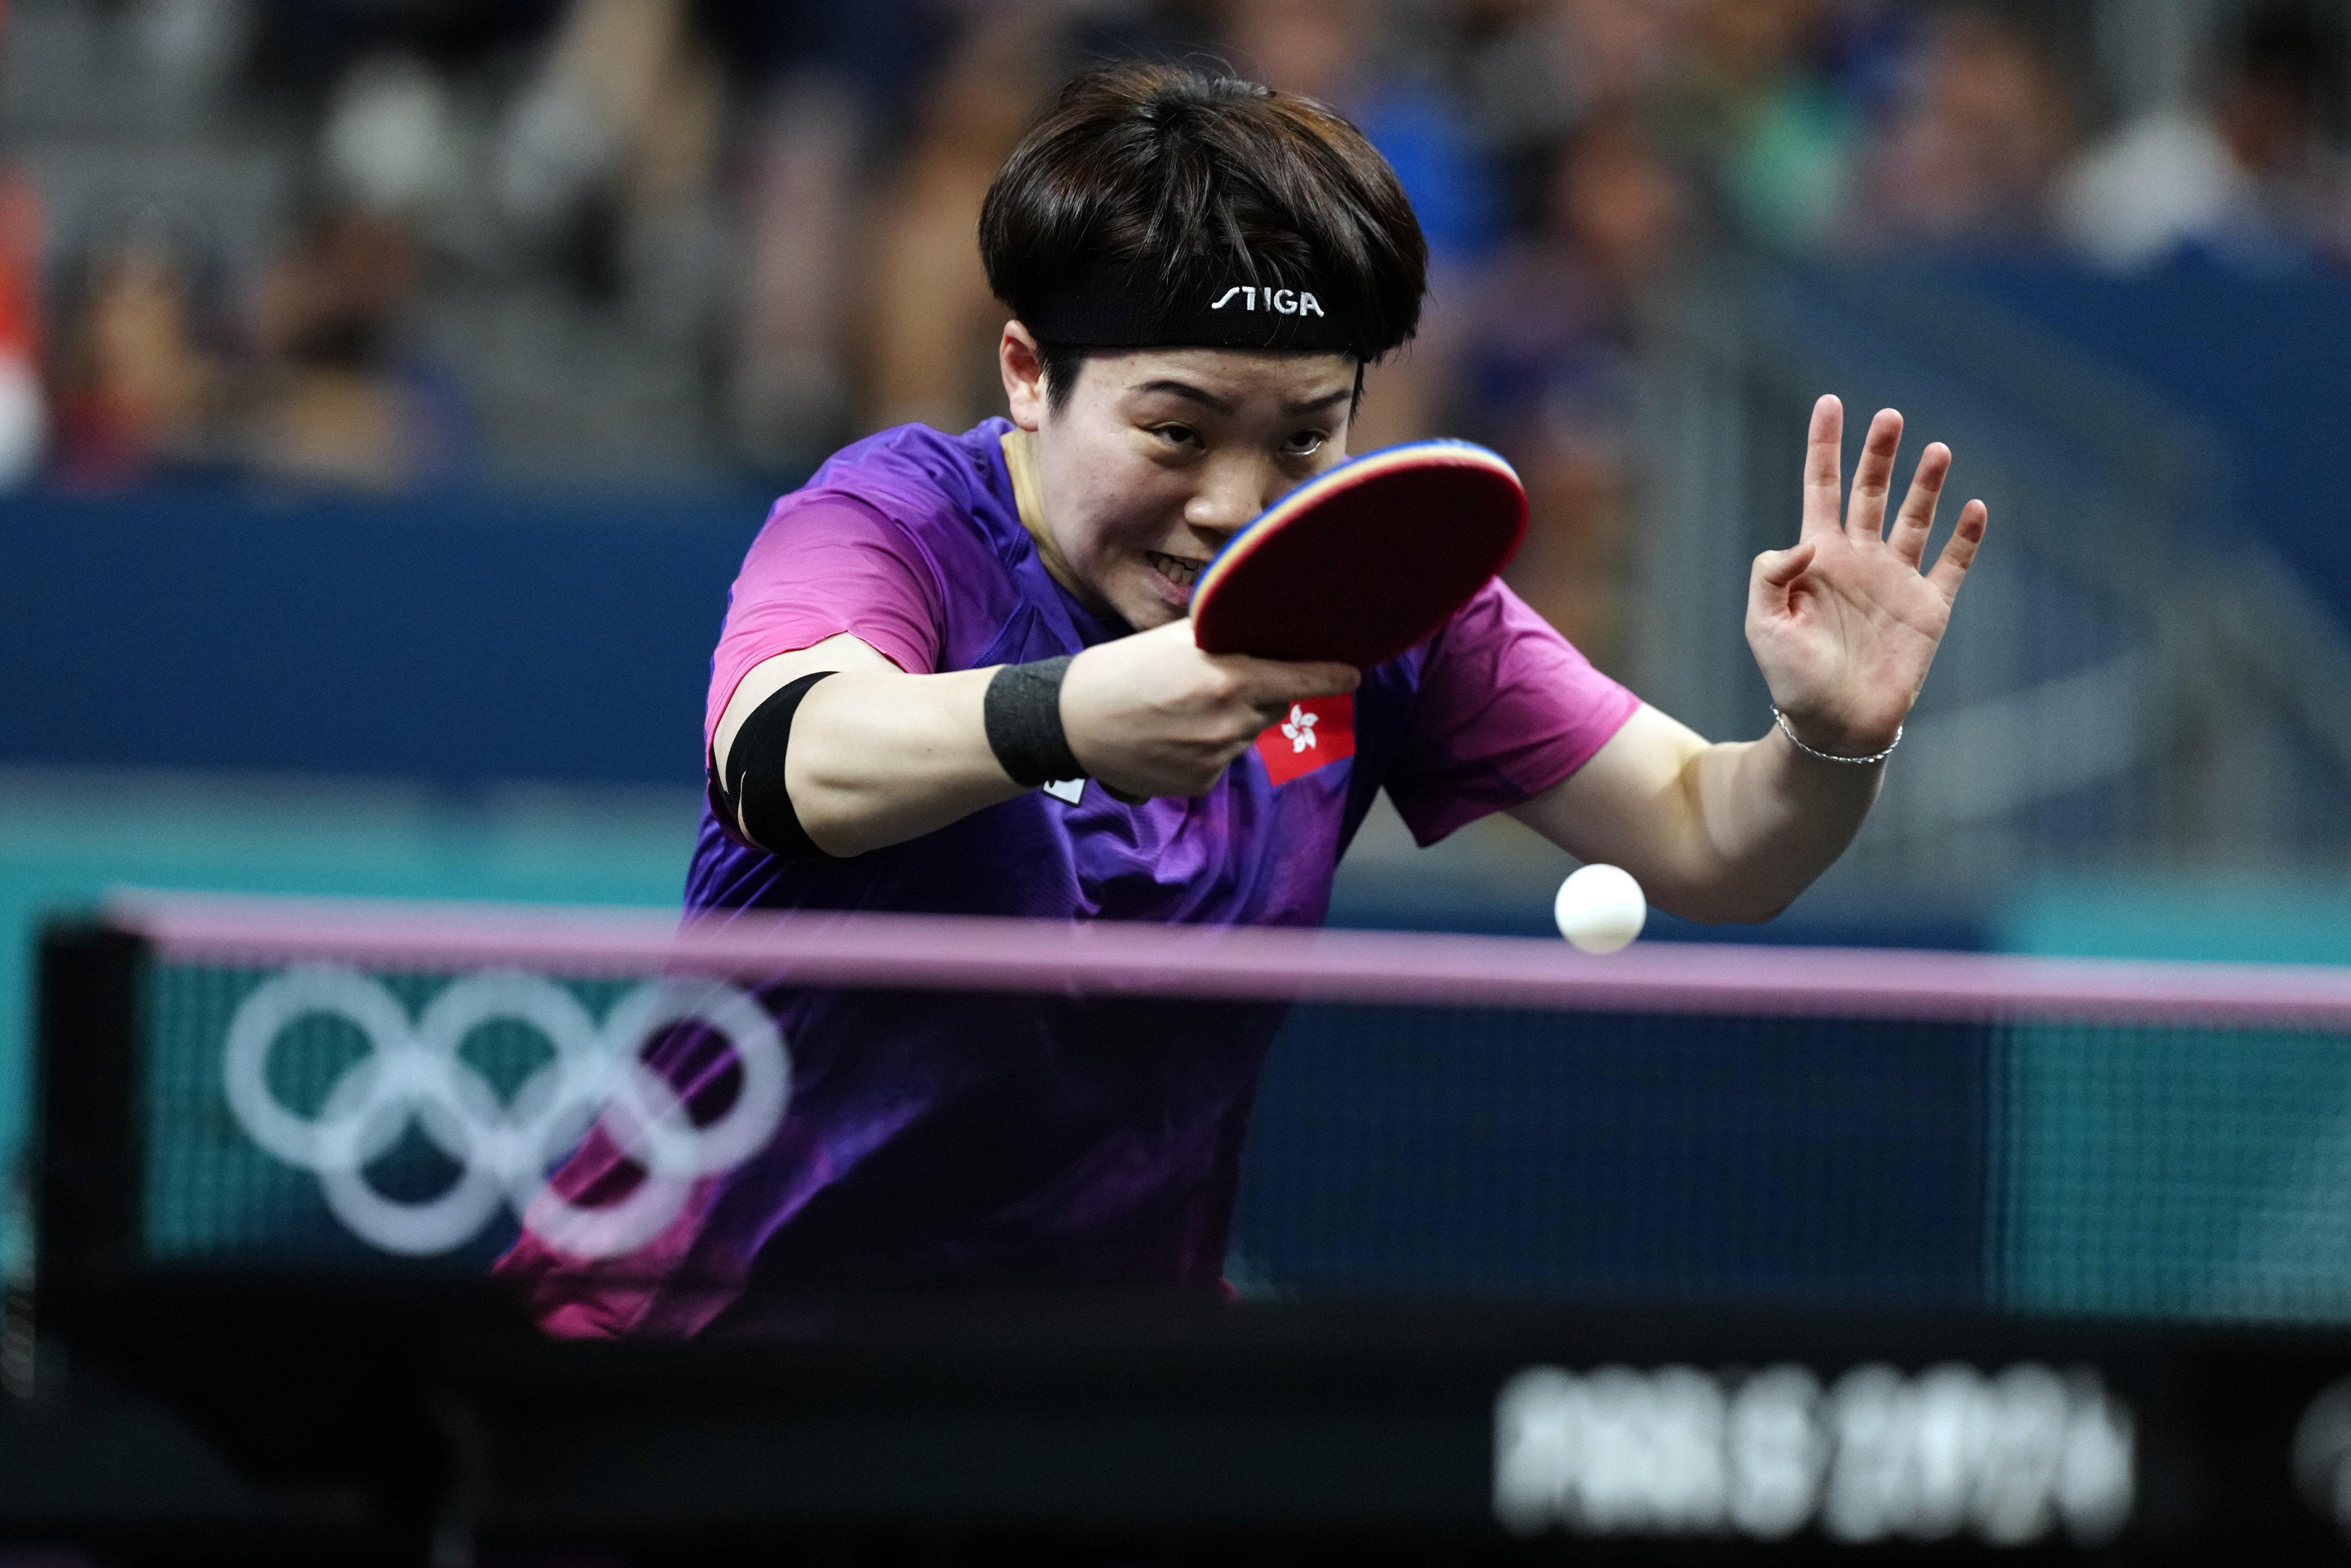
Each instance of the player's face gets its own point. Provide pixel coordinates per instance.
(1158, 457)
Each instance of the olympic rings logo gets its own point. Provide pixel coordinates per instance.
(412, 1074)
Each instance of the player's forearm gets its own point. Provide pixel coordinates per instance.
(877, 757)
(1712, 832)
(877, 760)
(1769, 820)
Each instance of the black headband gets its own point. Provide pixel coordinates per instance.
(1111, 305)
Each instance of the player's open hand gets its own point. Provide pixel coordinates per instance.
(1844, 623)
(1153, 715)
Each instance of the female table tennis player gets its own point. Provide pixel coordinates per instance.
(1197, 271)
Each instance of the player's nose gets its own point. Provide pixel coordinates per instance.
(1227, 498)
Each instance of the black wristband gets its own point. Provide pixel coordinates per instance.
(1023, 711)
(753, 787)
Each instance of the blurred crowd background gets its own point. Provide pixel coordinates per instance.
(387, 244)
(387, 387)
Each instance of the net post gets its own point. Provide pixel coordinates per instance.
(19, 1368)
(87, 1166)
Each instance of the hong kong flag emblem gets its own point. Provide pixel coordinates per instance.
(1316, 731)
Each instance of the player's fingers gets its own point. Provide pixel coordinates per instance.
(1769, 580)
(1872, 476)
(1778, 567)
(1960, 550)
(1277, 683)
(1916, 518)
(1824, 465)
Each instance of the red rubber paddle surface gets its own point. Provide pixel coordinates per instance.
(1358, 564)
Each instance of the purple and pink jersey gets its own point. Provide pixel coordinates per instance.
(954, 1139)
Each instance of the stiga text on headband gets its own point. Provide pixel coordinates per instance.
(1117, 305)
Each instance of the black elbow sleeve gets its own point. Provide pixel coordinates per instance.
(753, 785)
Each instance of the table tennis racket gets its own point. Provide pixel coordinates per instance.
(1361, 562)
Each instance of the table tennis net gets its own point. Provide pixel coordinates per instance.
(1435, 1116)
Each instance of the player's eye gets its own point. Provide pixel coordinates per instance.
(1305, 444)
(1176, 434)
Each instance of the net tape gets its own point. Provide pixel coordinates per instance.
(1116, 957)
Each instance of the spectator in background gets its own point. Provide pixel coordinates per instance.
(788, 396)
(333, 399)
(336, 394)
(826, 90)
(1753, 107)
(1550, 364)
(139, 373)
(930, 323)
(1532, 70)
(608, 160)
(392, 142)
(1979, 126)
(24, 406)
(670, 232)
(1778, 102)
(2250, 177)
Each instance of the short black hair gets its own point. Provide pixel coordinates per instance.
(1198, 176)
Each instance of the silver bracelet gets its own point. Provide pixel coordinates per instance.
(1782, 720)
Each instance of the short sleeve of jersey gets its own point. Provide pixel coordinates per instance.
(825, 563)
(1507, 708)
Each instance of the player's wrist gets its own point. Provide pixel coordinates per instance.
(1825, 740)
(1022, 714)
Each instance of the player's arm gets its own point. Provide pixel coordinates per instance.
(1843, 626)
(875, 756)
(871, 755)
(1729, 831)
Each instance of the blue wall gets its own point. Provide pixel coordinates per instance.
(457, 639)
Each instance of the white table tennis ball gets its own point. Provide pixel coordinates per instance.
(1600, 908)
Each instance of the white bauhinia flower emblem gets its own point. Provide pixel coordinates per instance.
(1299, 728)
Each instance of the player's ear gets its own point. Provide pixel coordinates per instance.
(1023, 367)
